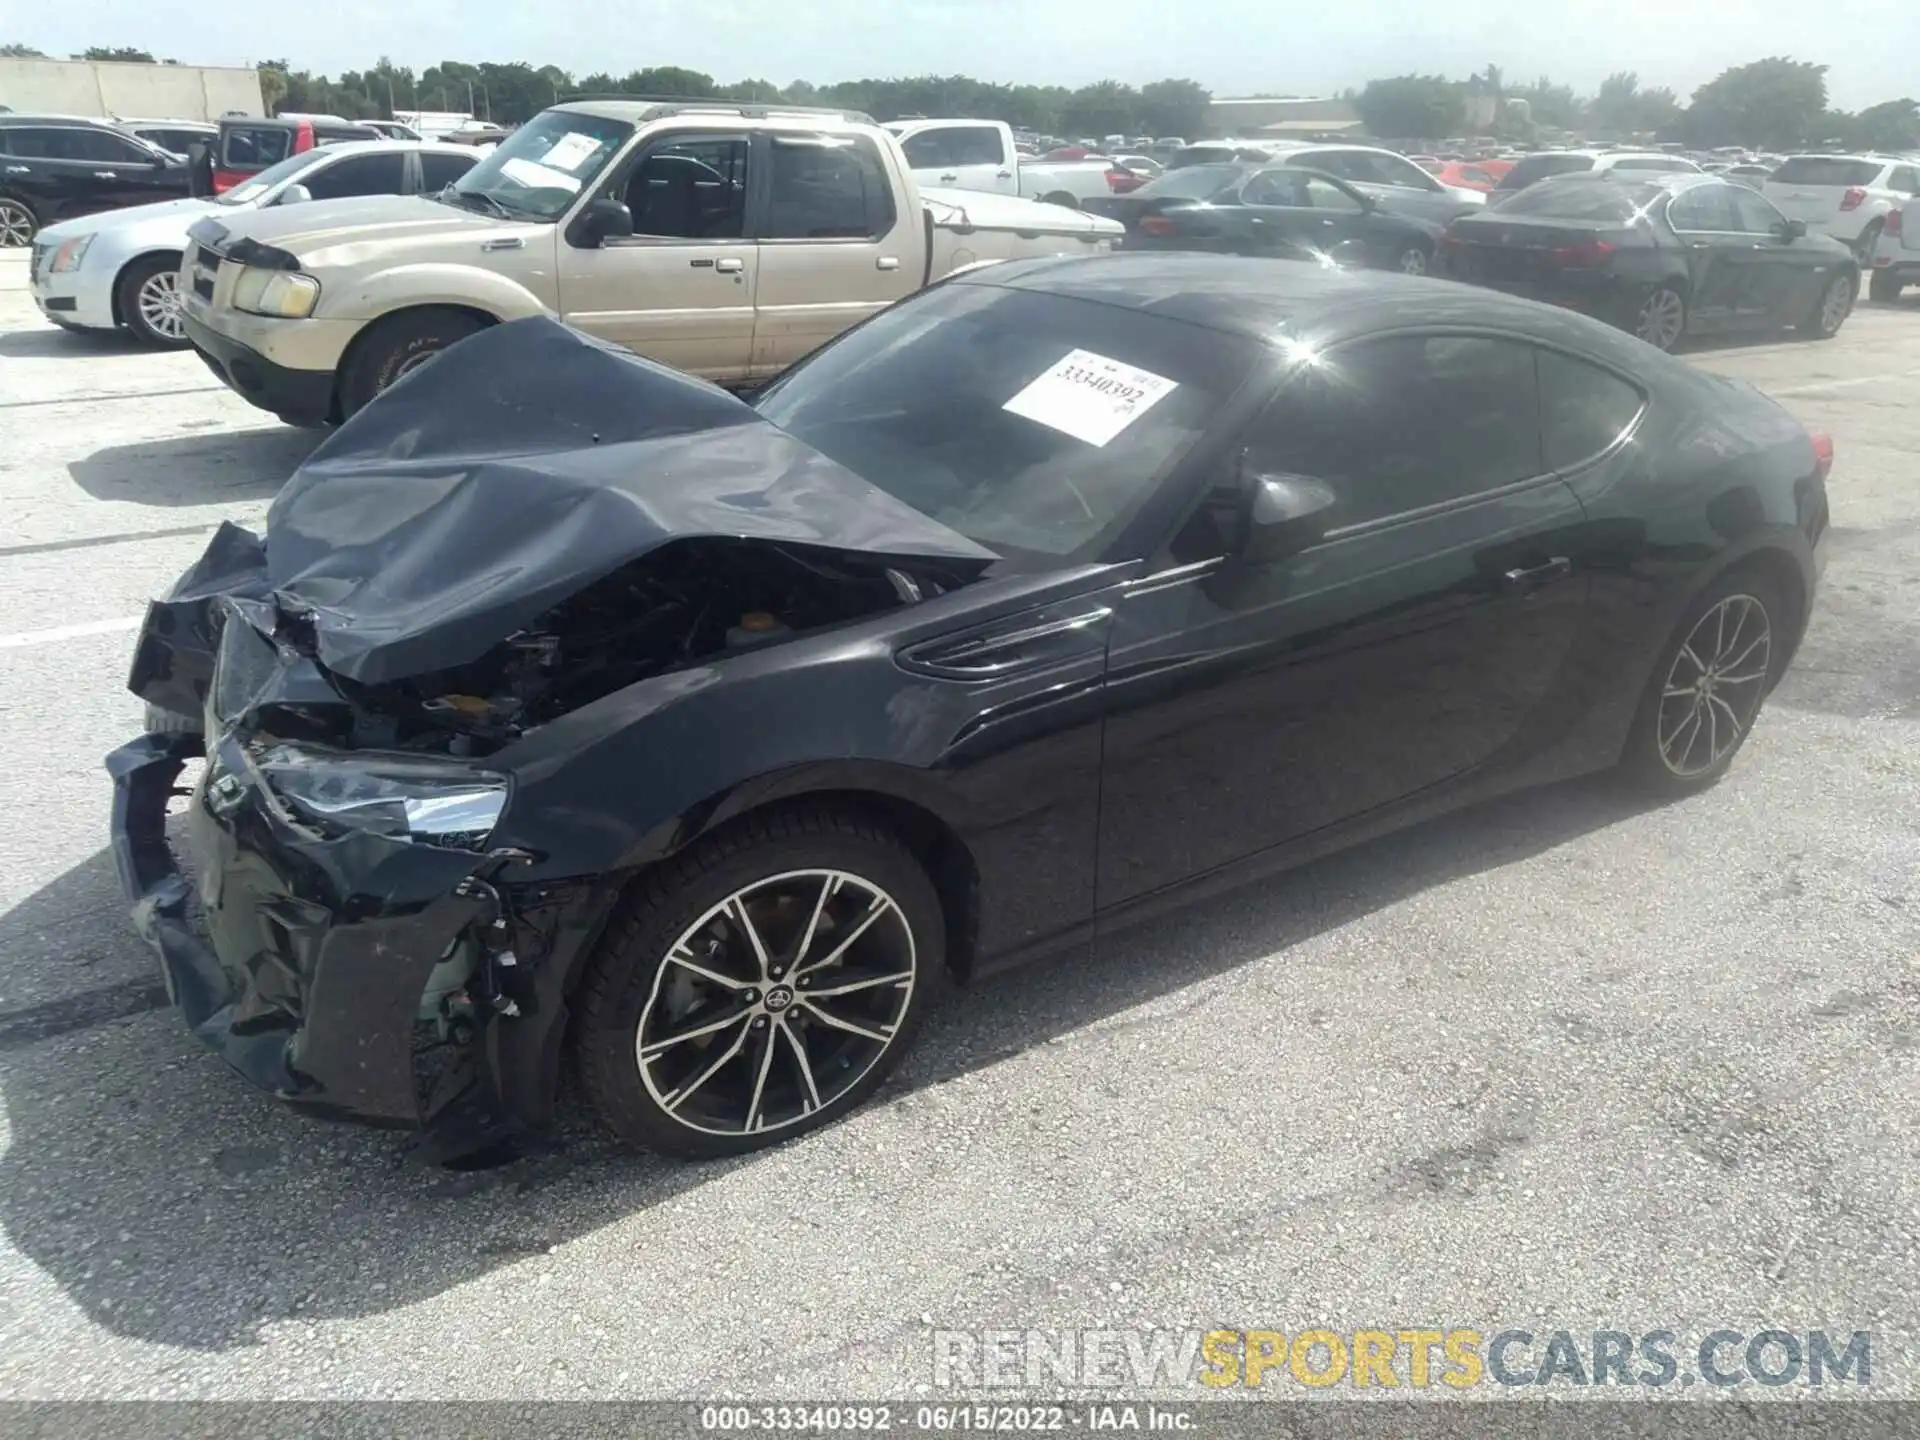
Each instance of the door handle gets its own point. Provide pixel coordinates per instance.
(18, 169)
(1555, 569)
(945, 179)
(105, 175)
(730, 267)
(887, 262)
(1003, 175)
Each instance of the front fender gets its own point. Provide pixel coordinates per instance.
(408, 287)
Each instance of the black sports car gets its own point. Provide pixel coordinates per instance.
(1667, 257)
(1293, 213)
(571, 707)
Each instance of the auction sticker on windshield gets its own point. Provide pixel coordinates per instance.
(1091, 397)
(571, 151)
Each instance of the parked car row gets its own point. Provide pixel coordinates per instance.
(1664, 255)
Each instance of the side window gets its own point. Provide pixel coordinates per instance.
(1704, 208)
(827, 187)
(1337, 162)
(1756, 212)
(108, 148)
(1905, 180)
(35, 144)
(248, 148)
(976, 145)
(1400, 423)
(929, 150)
(357, 175)
(1273, 188)
(1324, 196)
(1583, 409)
(439, 171)
(691, 189)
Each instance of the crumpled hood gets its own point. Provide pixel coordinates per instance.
(521, 466)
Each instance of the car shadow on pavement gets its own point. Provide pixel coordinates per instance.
(53, 343)
(176, 1205)
(199, 468)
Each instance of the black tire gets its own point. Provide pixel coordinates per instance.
(166, 722)
(1885, 287)
(19, 222)
(131, 301)
(1831, 307)
(624, 980)
(393, 346)
(1665, 299)
(1060, 197)
(1643, 761)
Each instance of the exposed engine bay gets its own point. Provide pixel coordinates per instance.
(688, 602)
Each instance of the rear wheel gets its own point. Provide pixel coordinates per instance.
(1662, 318)
(1060, 197)
(18, 223)
(1707, 686)
(1885, 287)
(1831, 307)
(149, 299)
(394, 348)
(1412, 261)
(758, 986)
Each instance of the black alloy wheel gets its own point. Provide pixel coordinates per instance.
(758, 986)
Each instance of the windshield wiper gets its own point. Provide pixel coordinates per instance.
(451, 196)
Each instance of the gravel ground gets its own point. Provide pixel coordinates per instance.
(1561, 1063)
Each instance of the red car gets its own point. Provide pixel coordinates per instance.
(1473, 174)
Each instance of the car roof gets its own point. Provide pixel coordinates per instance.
(43, 118)
(1260, 298)
(390, 147)
(161, 120)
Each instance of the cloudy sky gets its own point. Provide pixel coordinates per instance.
(1231, 46)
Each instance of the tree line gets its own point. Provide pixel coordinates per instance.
(1775, 103)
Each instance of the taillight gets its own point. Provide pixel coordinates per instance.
(1154, 225)
(1853, 199)
(1822, 454)
(1587, 252)
(1121, 181)
(1892, 227)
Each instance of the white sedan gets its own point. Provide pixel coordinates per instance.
(120, 269)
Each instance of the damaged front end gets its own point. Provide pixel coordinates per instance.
(345, 932)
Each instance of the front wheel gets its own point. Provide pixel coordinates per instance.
(760, 985)
(1869, 240)
(1707, 686)
(394, 348)
(1831, 308)
(149, 298)
(1060, 197)
(18, 223)
(1662, 318)
(1412, 261)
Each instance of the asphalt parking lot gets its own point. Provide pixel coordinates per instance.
(1564, 1062)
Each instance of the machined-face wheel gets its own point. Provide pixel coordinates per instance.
(1714, 687)
(16, 223)
(1835, 304)
(1413, 261)
(776, 1002)
(1661, 319)
(159, 305)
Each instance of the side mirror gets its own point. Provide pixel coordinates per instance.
(1792, 229)
(295, 194)
(1285, 514)
(604, 219)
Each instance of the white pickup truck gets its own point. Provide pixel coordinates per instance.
(727, 240)
(980, 155)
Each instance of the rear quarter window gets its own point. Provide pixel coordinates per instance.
(1826, 170)
(1583, 409)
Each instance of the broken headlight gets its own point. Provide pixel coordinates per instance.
(400, 798)
(280, 294)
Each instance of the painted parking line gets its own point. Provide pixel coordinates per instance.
(21, 638)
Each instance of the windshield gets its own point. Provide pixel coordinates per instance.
(1197, 182)
(256, 187)
(1037, 425)
(1582, 200)
(538, 170)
